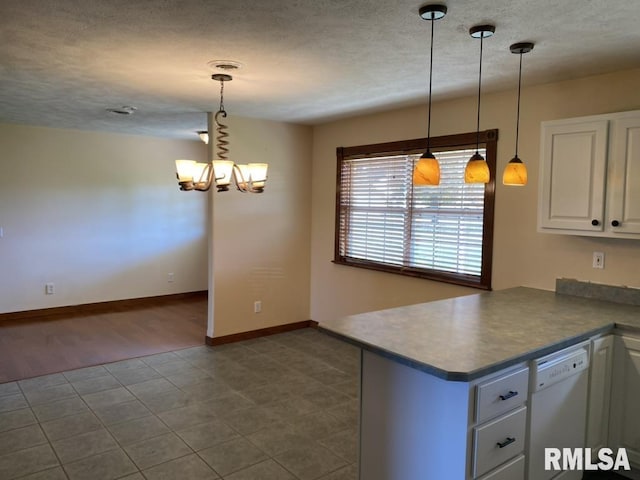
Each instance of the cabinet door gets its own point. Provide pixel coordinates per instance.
(625, 407)
(624, 176)
(572, 175)
(599, 393)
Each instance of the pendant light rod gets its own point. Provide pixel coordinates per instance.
(518, 108)
(519, 48)
(432, 13)
(430, 83)
(481, 32)
(478, 112)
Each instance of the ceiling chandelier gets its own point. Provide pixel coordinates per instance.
(193, 175)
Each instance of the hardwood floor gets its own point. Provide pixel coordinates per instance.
(65, 341)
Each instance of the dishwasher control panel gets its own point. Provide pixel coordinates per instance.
(554, 369)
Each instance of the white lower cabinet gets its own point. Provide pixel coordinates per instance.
(499, 440)
(512, 470)
(624, 426)
(598, 408)
(501, 394)
(416, 426)
(501, 425)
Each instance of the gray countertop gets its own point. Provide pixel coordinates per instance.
(465, 338)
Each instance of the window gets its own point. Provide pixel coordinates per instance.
(441, 233)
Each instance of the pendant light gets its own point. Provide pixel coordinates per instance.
(515, 173)
(427, 170)
(477, 170)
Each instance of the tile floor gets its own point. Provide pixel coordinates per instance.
(282, 407)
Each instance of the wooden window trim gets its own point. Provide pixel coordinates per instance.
(487, 138)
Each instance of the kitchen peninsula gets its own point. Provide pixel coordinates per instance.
(430, 372)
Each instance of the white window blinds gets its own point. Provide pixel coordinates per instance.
(384, 219)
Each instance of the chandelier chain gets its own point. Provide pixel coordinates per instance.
(221, 128)
(221, 109)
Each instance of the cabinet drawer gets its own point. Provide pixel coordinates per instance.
(499, 440)
(501, 394)
(513, 470)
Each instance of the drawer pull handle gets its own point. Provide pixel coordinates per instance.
(508, 441)
(595, 222)
(508, 395)
(615, 223)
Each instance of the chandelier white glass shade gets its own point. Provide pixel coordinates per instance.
(194, 175)
(198, 176)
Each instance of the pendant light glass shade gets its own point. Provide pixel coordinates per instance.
(427, 170)
(477, 170)
(515, 173)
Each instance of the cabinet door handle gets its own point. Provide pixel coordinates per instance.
(595, 222)
(508, 441)
(615, 223)
(508, 395)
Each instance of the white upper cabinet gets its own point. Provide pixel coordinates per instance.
(624, 176)
(590, 176)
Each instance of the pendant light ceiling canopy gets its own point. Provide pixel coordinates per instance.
(515, 173)
(427, 170)
(477, 170)
(432, 12)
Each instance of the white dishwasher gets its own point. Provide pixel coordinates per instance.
(557, 408)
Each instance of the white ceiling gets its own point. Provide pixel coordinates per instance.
(63, 62)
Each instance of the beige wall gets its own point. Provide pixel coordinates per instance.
(101, 216)
(98, 214)
(262, 242)
(521, 255)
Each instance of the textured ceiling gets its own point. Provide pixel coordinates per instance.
(63, 62)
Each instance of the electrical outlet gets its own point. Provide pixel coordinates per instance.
(257, 306)
(49, 288)
(598, 259)
(170, 277)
